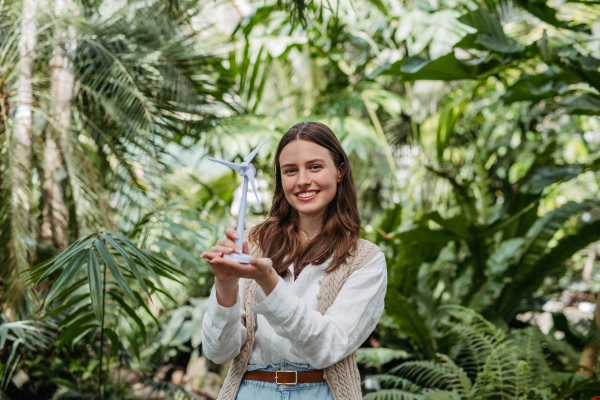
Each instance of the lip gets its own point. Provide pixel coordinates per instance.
(307, 198)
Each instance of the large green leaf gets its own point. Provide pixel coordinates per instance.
(418, 244)
(110, 261)
(143, 258)
(540, 9)
(585, 104)
(586, 68)
(78, 329)
(114, 340)
(531, 276)
(539, 179)
(404, 314)
(445, 68)
(64, 257)
(542, 86)
(69, 273)
(544, 229)
(131, 313)
(506, 254)
(392, 219)
(490, 34)
(95, 283)
(116, 272)
(458, 224)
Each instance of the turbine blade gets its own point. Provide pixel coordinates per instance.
(251, 179)
(231, 165)
(251, 156)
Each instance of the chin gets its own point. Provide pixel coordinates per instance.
(309, 208)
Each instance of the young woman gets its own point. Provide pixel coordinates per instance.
(292, 319)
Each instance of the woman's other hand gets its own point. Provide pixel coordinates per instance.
(228, 272)
(259, 269)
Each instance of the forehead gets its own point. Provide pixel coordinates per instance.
(299, 152)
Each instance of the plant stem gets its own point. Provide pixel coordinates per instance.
(100, 390)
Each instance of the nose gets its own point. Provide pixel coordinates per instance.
(304, 178)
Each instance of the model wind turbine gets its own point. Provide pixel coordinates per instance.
(247, 170)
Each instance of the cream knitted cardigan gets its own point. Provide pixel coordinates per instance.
(342, 377)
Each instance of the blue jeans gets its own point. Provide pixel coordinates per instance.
(259, 390)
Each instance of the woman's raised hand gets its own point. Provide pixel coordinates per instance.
(215, 256)
(228, 272)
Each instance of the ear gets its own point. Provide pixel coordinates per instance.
(340, 172)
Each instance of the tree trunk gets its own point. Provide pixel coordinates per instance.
(23, 136)
(589, 355)
(17, 249)
(55, 213)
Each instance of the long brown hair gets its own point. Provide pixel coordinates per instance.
(279, 236)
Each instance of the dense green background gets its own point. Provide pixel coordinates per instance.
(474, 136)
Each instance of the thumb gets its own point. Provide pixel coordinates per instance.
(263, 264)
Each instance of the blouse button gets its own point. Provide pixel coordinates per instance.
(319, 281)
(319, 296)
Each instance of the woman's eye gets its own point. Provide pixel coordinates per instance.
(288, 171)
(316, 166)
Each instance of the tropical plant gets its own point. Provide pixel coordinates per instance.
(479, 189)
(485, 363)
(90, 306)
(112, 90)
(486, 227)
(20, 337)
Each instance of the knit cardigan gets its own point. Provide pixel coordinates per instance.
(342, 377)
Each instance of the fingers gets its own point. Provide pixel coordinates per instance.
(246, 247)
(231, 234)
(225, 249)
(237, 269)
(229, 242)
(263, 264)
(210, 255)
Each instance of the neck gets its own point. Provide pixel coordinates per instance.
(311, 224)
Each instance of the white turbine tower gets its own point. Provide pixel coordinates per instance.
(247, 170)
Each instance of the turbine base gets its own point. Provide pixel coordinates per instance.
(240, 258)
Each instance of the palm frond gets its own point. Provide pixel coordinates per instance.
(19, 337)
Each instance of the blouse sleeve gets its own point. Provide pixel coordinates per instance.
(323, 340)
(223, 328)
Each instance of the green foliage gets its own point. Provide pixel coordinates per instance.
(480, 188)
(486, 364)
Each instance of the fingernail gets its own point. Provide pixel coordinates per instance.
(237, 250)
(253, 261)
(235, 235)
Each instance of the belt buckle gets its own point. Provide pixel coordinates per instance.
(277, 382)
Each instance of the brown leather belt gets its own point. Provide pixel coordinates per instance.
(286, 377)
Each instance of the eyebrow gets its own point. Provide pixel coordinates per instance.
(308, 162)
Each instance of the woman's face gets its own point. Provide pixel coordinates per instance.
(309, 177)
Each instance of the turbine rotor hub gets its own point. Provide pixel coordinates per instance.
(247, 167)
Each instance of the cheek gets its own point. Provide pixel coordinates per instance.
(288, 185)
(328, 182)
(329, 186)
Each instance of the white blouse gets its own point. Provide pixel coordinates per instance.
(290, 328)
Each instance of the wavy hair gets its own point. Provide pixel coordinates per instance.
(279, 235)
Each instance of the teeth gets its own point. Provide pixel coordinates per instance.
(307, 194)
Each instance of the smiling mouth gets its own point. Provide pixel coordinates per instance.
(307, 195)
